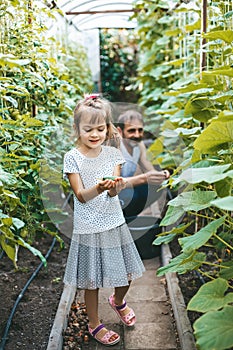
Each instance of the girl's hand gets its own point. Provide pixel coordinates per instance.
(119, 184)
(105, 185)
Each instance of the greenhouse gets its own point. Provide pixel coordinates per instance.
(167, 67)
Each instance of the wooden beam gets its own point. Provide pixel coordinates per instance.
(204, 30)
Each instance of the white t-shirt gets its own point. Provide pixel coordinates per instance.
(131, 161)
(102, 212)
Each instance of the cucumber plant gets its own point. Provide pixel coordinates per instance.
(39, 85)
(191, 106)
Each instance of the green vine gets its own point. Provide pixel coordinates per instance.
(40, 80)
(192, 108)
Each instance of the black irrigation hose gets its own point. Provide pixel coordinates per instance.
(8, 324)
(1, 254)
(200, 277)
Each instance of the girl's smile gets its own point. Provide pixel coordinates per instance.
(92, 136)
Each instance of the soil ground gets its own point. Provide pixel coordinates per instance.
(34, 316)
(32, 322)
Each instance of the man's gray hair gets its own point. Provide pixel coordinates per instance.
(128, 117)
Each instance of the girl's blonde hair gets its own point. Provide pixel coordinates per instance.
(96, 109)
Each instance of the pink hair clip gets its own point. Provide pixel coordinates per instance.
(91, 97)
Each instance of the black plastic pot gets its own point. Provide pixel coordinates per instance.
(144, 230)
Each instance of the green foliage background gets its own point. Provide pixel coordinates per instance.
(40, 80)
(119, 62)
(187, 92)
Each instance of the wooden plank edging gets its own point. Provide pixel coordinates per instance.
(183, 325)
(60, 322)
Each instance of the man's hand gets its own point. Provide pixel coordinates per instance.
(120, 184)
(154, 177)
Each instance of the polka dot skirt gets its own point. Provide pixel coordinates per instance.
(105, 259)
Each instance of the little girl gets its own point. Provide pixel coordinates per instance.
(102, 251)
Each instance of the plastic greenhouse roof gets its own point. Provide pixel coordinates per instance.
(86, 15)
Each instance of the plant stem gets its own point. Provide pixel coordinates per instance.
(228, 222)
(200, 215)
(205, 274)
(222, 240)
(215, 265)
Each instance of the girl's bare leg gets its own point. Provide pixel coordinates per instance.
(92, 304)
(119, 295)
(91, 300)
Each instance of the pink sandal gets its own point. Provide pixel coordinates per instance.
(105, 340)
(130, 316)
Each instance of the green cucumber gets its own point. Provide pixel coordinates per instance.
(110, 177)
